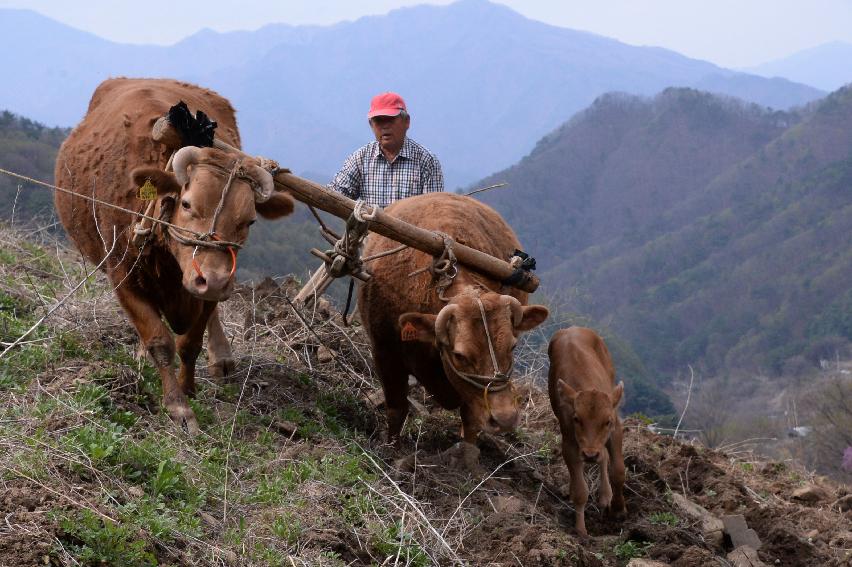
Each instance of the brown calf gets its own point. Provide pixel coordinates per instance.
(585, 400)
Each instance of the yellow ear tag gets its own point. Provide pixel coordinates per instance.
(148, 191)
(409, 332)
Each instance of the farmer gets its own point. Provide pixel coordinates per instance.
(394, 166)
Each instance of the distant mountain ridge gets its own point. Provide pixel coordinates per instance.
(827, 66)
(483, 82)
(703, 230)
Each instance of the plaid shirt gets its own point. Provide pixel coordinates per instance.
(368, 176)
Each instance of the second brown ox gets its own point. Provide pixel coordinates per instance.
(108, 156)
(585, 399)
(461, 349)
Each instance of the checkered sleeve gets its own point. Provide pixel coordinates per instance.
(433, 178)
(348, 180)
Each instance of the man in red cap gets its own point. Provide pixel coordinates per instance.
(394, 166)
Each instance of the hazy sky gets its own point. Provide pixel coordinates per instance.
(732, 33)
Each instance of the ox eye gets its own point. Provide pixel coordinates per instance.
(460, 358)
(576, 419)
(251, 222)
(185, 204)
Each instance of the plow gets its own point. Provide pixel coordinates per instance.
(344, 258)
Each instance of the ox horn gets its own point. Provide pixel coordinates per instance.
(266, 185)
(442, 322)
(184, 157)
(515, 308)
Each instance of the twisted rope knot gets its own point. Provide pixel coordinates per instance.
(444, 267)
(360, 215)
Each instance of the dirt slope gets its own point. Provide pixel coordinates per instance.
(291, 469)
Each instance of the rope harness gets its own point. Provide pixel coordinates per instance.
(103, 203)
(498, 381)
(210, 239)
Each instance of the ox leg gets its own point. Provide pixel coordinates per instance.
(189, 347)
(604, 490)
(579, 488)
(160, 345)
(617, 475)
(395, 386)
(220, 359)
(471, 423)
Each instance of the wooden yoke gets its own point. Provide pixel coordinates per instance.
(341, 206)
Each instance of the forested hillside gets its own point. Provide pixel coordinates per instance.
(703, 230)
(28, 148)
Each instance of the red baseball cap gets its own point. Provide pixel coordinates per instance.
(386, 104)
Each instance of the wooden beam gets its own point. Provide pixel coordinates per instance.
(400, 231)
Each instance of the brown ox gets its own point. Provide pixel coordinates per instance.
(585, 399)
(108, 156)
(446, 345)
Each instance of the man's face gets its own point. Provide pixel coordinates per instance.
(390, 131)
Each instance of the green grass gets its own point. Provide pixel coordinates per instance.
(663, 518)
(93, 421)
(393, 541)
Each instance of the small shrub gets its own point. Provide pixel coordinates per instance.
(93, 541)
(631, 549)
(287, 528)
(99, 444)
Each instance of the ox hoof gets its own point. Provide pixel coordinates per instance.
(616, 512)
(184, 417)
(221, 369)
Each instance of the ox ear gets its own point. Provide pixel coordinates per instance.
(566, 393)
(164, 181)
(616, 394)
(534, 315)
(417, 327)
(280, 204)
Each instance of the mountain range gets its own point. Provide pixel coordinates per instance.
(701, 229)
(483, 83)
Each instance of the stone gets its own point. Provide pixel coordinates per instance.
(844, 503)
(507, 504)
(809, 493)
(463, 457)
(287, 428)
(324, 354)
(745, 556)
(842, 540)
(210, 520)
(739, 532)
(646, 563)
(711, 527)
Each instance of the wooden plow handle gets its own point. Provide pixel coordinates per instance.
(388, 226)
